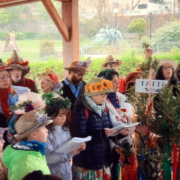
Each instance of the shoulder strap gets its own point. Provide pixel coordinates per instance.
(86, 113)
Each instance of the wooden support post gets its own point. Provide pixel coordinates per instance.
(70, 17)
(56, 18)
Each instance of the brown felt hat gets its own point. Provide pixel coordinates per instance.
(3, 66)
(111, 59)
(30, 122)
(16, 62)
(82, 66)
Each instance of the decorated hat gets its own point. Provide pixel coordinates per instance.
(111, 59)
(50, 75)
(16, 62)
(30, 122)
(77, 66)
(3, 66)
(167, 61)
(131, 77)
(97, 86)
(107, 73)
(59, 102)
(28, 101)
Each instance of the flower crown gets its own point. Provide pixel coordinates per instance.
(54, 78)
(97, 87)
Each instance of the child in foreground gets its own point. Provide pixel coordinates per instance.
(28, 154)
(59, 163)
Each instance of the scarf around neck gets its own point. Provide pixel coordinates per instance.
(114, 100)
(98, 109)
(35, 145)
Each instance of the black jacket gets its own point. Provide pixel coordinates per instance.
(97, 153)
(68, 93)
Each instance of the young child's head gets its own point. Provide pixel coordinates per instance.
(58, 109)
(32, 127)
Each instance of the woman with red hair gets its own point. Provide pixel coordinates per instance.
(8, 97)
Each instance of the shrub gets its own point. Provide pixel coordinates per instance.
(3, 35)
(30, 34)
(137, 26)
(20, 36)
(168, 33)
(47, 48)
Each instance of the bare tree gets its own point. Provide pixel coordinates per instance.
(134, 3)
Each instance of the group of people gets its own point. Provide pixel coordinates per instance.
(40, 124)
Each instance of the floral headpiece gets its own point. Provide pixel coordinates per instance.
(54, 77)
(3, 65)
(98, 87)
(59, 103)
(42, 118)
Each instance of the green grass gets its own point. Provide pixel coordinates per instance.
(29, 49)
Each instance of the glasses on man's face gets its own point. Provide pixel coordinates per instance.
(4, 77)
(167, 67)
(80, 74)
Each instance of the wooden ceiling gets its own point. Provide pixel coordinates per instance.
(9, 3)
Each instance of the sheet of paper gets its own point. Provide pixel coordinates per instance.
(72, 144)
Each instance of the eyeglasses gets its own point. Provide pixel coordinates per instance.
(104, 95)
(80, 75)
(167, 67)
(3, 77)
(44, 81)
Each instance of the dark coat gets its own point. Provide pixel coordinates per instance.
(97, 153)
(67, 93)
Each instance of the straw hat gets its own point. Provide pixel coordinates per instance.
(50, 75)
(111, 59)
(167, 61)
(77, 66)
(16, 62)
(131, 78)
(28, 100)
(97, 86)
(3, 66)
(30, 122)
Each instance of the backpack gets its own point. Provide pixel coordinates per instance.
(69, 117)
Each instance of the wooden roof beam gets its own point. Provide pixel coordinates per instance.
(56, 19)
(10, 3)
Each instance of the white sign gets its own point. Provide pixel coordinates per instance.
(142, 85)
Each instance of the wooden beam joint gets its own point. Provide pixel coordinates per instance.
(56, 19)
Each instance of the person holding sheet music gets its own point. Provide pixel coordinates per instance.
(124, 153)
(90, 118)
(59, 163)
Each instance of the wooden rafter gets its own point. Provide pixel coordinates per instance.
(9, 3)
(56, 19)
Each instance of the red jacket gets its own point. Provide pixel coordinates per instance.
(26, 82)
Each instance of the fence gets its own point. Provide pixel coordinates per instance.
(96, 51)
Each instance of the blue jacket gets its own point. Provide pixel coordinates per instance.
(97, 153)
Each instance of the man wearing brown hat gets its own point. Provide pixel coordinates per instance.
(73, 84)
(19, 69)
(112, 63)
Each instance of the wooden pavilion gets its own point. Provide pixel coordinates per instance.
(68, 24)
